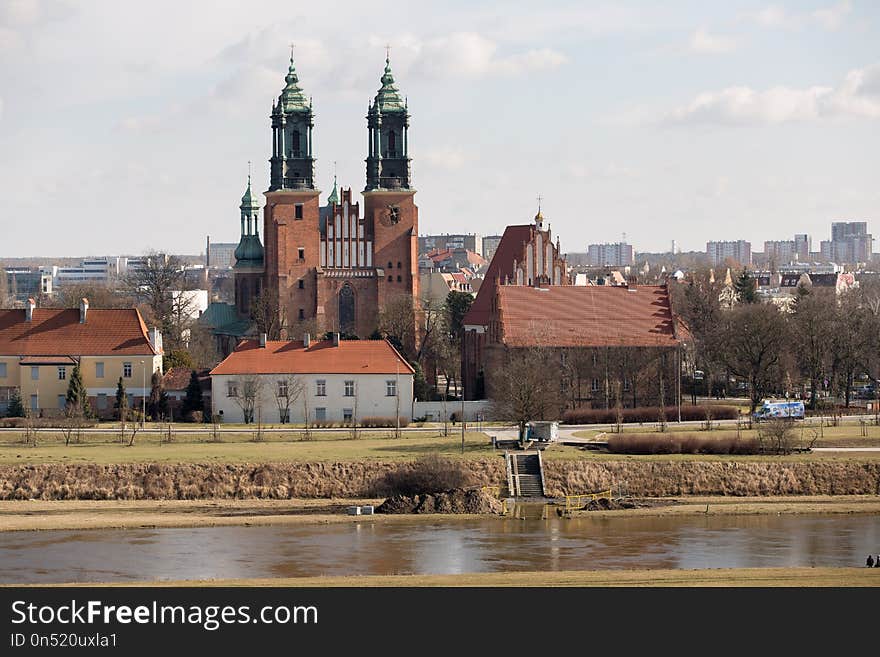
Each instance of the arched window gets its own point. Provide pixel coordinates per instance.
(346, 309)
(392, 144)
(295, 142)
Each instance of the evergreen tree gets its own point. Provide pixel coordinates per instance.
(193, 400)
(15, 408)
(421, 390)
(746, 287)
(157, 403)
(77, 395)
(121, 404)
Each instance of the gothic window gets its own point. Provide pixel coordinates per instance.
(302, 313)
(390, 265)
(398, 264)
(301, 284)
(346, 309)
(390, 278)
(398, 279)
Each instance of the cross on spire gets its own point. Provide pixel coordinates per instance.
(387, 51)
(249, 172)
(540, 198)
(291, 50)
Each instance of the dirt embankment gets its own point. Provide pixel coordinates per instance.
(451, 501)
(135, 481)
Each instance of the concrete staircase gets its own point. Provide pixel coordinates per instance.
(525, 474)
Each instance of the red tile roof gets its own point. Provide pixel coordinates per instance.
(291, 357)
(55, 332)
(177, 378)
(510, 248)
(586, 316)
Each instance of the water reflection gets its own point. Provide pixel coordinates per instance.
(403, 547)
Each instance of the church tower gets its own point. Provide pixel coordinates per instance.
(292, 214)
(390, 212)
(248, 269)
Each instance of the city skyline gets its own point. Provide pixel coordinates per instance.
(682, 122)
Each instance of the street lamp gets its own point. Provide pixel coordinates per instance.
(143, 394)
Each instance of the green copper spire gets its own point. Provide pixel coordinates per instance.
(334, 195)
(292, 97)
(388, 98)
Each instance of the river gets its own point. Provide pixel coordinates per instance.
(445, 546)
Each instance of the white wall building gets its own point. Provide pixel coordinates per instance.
(340, 380)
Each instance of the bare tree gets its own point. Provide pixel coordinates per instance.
(307, 424)
(751, 340)
(287, 390)
(153, 285)
(524, 384)
(270, 317)
(397, 322)
(813, 325)
(353, 431)
(248, 395)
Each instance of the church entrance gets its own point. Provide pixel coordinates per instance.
(346, 309)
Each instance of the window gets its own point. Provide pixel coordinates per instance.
(302, 313)
(398, 278)
(347, 415)
(126, 370)
(99, 370)
(282, 389)
(320, 388)
(594, 386)
(62, 373)
(131, 400)
(390, 279)
(298, 211)
(35, 373)
(62, 402)
(102, 401)
(391, 388)
(232, 388)
(320, 413)
(3, 370)
(398, 264)
(392, 143)
(35, 403)
(301, 253)
(301, 284)
(626, 384)
(349, 389)
(295, 143)
(390, 265)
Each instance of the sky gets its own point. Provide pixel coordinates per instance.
(127, 126)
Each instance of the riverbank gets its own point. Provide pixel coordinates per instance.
(140, 514)
(716, 577)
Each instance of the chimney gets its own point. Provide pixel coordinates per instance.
(263, 337)
(335, 339)
(307, 340)
(29, 309)
(83, 310)
(156, 339)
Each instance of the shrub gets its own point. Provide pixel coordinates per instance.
(646, 414)
(194, 416)
(430, 474)
(680, 443)
(382, 422)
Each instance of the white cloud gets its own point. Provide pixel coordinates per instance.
(702, 41)
(473, 55)
(857, 96)
(829, 18)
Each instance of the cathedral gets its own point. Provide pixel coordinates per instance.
(331, 267)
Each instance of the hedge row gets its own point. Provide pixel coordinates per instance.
(680, 443)
(647, 414)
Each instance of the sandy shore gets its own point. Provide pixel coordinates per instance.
(764, 577)
(79, 514)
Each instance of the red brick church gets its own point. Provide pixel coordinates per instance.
(332, 267)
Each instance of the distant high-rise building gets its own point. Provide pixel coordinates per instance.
(490, 244)
(850, 242)
(470, 241)
(618, 254)
(802, 246)
(719, 252)
(779, 252)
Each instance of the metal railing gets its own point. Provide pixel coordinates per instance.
(297, 183)
(574, 502)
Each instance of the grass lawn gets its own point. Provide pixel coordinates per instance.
(842, 436)
(240, 448)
